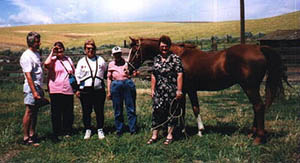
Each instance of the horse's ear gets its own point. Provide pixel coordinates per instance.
(132, 39)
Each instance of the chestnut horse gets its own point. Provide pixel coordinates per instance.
(245, 65)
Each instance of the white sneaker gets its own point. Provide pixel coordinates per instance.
(101, 134)
(88, 134)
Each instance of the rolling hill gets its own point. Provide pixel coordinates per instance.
(114, 33)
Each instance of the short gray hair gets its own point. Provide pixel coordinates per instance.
(31, 38)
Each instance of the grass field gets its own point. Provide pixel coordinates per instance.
(114, 33)
(227, 116)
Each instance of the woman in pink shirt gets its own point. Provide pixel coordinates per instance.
(120, 88)
(59, 67)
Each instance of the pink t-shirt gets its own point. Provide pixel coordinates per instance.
(58, 76)
(116, 72)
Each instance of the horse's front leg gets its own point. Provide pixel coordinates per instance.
(196, 109)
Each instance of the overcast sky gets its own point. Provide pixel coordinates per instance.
(29, 12)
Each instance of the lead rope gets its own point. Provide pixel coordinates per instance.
(134, 56)
(172, 116)
(129, 55)
(128, 61)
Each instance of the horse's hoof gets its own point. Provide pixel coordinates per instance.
(200, 133)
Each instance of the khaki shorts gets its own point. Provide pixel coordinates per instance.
(28, 96)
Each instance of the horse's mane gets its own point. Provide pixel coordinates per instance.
(150, 39)
(183, 45)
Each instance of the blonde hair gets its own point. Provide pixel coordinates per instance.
(90, 42)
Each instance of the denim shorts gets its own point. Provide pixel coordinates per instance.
(28, 96)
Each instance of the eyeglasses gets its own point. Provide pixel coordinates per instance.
(164, 47)
(90, 48)
(37, 41)
(58, 50)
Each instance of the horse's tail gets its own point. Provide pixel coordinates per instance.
(275, 75)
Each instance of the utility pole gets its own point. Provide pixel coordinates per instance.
(242, 12)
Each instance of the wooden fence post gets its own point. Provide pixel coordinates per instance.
(125, 46)
(214, 44)
(201, 45)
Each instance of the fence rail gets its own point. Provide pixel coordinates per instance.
(10, 69)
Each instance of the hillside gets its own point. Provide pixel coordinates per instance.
(114, 33)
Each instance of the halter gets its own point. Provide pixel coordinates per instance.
(127, 61)
(135, 56)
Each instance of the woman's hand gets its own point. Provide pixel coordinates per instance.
(53, 50)
(48, 61)
(135, 73)
(108, 96)
(179, 94)
(36, 95)
(77, 93)
(152, 93)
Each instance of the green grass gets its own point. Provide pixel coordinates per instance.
(227, 116)
(74, 35)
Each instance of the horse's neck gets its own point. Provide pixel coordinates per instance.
(177, 50)
(183, 51)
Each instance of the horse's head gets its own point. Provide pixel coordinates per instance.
(141, 50)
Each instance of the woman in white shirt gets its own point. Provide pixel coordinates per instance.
(89, 74)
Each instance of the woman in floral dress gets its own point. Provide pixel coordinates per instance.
(166, 84)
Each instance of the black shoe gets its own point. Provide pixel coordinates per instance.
(34, 140)
(55, 139)
(27, 142)
(133, 133)
(119, 134)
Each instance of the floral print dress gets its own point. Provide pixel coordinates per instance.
(165, 73)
